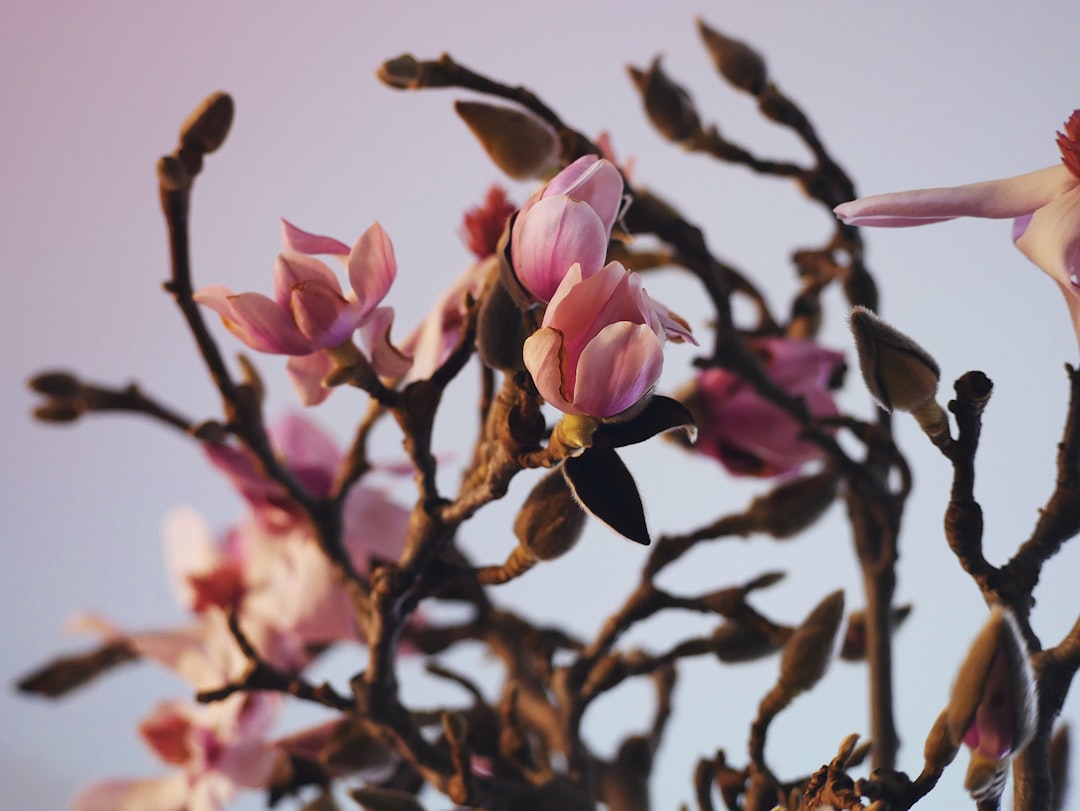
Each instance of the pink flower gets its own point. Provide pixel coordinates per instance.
(567, 222)
(1045, 205)
(309, 312)
(219, 747)
(750, 436)
(599, 349)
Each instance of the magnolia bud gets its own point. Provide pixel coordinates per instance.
(667, 104)
(205, 129)
(790, 508)
(899, 373)
(56, 384)
(736, 61)
(853, 648)
(992, 708)
(60, 411)
(550, 521)
(519, 143)
(806, 655)
(939, 750)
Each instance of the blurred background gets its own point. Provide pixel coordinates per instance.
(904, 95)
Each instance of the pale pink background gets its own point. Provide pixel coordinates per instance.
(911, 94)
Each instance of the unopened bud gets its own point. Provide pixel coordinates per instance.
(205, 129)
(668, 105)
(56, 384)
(550, 521)
(60, 411)
(499, 321)
(899, 373)
(401, 73)
(777, 107)
(736, 61)
(519, 143)
(806, 655)
(790, 508)
(853, 648)
(992, 707)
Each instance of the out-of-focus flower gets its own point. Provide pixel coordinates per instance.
(1044, 205)
(567, 222)
(484, 224)
(599, 349)
(309, 312)
(751, 436)
(992, 709)
(219, 746)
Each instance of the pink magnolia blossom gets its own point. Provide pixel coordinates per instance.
(567, 222)
(599, 349)
(218, 747)
(309, 312)
(1044, 205)
(751, 436)
(484, 224)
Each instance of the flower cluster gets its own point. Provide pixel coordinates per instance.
(271, 573)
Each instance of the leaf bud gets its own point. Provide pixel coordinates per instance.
(777, 107)
(853, 647)
(550, 521)
(736, 61)
(205, 129)
(806, 655)
(517, 142)
(795, 505)
(667, 105)
(56, 384)
(939, 750)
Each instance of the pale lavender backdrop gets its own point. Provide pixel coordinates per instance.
(919, 93)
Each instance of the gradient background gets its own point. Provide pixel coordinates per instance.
(905, 95)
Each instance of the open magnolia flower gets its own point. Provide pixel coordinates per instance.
(309, 312)
(599, 349)
(1044, 205)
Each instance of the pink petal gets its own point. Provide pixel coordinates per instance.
(386, 360)
(372, 267)
(295, 239)
(257, 321)
(674, 327)
(169, 793)
(1008, 197)
(617, 368)
(552, 236)
(542, 354)
(595, 181)
(374, 525)
(189, 550)
(324, 317)
(292, 269)
(307, 373)
(304, 444)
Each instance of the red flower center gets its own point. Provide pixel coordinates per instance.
(1069, 144)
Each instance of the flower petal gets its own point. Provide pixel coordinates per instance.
(292, 269)
(553, 235)
(372, 267)
(996, 199)
(544, 358)
(1052, 240)
(324, 317)
(595, 181)
(386, 360)
(168, 793)
(295, 239)
(617, 368)
(306, 373)
(256, 320)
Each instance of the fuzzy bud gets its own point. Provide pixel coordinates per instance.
(795, 505)
(668, 105)
(401, 72)
(993, 708)
(939, 750)
(899, 373)
(60, 411)
(806, 655)
(853, 648)
(736, 61)
(517, 142)
(205, 129)
(550, 521)
(56, 384)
